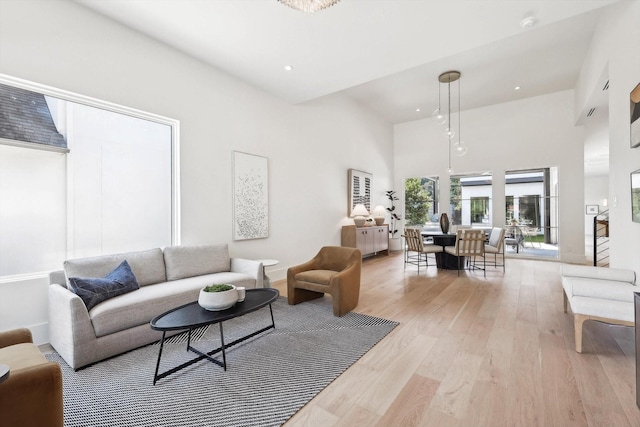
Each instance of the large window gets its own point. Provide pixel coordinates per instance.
(421, 201)
(114, 191)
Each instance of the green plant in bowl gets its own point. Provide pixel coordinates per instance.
(217, 288)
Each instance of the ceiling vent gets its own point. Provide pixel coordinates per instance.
(591, 111)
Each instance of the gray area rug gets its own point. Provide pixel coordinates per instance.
(268, 378)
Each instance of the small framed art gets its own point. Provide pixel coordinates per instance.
(592, 210)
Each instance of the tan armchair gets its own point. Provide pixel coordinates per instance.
(32, 394)
(335, 270)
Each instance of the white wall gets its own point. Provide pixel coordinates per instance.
(531, 133)
(596, 189)
(310, 147)
(615, 47)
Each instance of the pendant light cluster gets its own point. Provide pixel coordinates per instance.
(443, 116)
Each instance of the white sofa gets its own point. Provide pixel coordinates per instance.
(598, 293)
(168, 278)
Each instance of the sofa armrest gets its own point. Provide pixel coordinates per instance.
(251, 267)
(589, 272)
(70, 329)
(15, 336)
(58, 277)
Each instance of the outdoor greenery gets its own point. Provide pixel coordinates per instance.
(417, 200)
(218, 288)
(455, 199)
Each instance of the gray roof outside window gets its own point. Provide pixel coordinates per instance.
(25, 117)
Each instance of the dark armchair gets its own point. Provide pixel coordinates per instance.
(335, 270)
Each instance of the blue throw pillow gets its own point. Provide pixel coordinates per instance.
(93, 291)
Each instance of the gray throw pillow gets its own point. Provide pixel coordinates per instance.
(93, 291)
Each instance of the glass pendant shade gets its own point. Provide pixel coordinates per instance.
(449, 133)
(460, 148)
(309, 6)
(439, 117)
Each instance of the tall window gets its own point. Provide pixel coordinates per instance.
(108, 186)
(421, 201)
(470, 200)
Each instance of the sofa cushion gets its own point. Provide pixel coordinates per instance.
(599, 289)
(140, 307)
(148, 266)
(190, 261)
(93, 291)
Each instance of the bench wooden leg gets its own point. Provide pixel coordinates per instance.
(578, 321)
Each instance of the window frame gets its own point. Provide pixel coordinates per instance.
(116, 108)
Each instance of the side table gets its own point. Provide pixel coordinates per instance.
(267, 263)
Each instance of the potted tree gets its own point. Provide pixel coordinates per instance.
(394, 238)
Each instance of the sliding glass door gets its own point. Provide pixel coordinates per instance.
(531, 211)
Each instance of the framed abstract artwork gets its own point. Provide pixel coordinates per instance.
(359, 189)
(635, 116)
(250, 196)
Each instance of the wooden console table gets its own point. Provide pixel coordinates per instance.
(370, 240)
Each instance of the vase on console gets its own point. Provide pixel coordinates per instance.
(444, 223)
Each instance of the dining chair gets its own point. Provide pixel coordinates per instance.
(529, 234)
(514, 237)
(495, 246)
(469, 243)
(416, 251)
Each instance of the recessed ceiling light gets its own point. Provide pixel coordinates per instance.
(417, 110)
(517, 88)
(288, 68)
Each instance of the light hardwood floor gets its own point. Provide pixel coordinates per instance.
(471, 351)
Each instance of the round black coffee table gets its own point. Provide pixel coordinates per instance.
(191, 316)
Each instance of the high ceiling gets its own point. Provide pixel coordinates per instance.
(385, 54)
